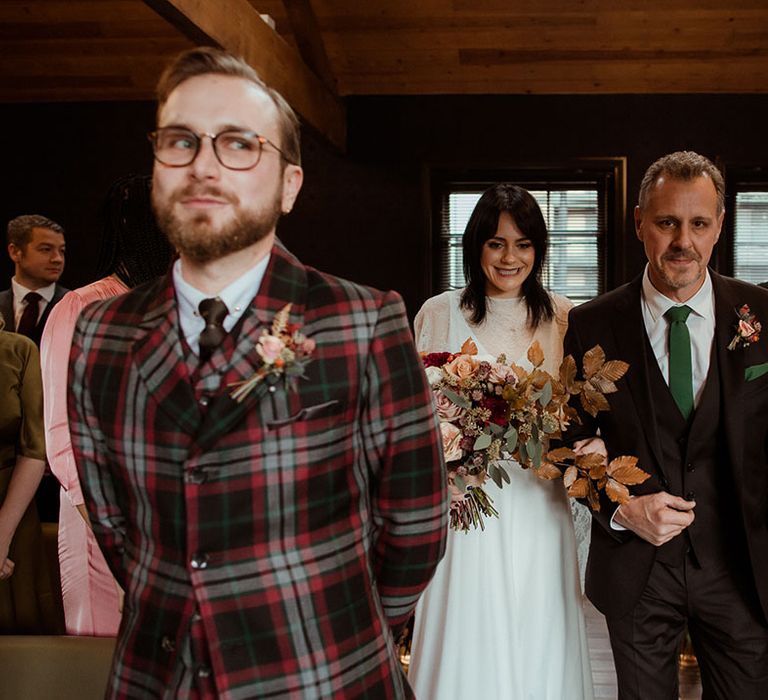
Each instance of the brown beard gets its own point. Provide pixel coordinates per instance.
(199, 241)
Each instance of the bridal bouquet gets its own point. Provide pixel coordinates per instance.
(491, 411)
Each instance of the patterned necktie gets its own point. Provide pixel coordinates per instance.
(28, 319)
(213, 311)
(680, 368)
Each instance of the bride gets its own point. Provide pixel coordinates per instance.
(502, 617)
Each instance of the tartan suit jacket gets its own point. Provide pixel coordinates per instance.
(298, 527)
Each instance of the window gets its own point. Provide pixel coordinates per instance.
(579, 209)
(750, 234)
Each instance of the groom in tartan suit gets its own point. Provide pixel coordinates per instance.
(272, 547)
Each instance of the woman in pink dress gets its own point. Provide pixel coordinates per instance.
(132, 251)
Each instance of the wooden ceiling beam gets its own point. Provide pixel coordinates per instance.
(309, 39)
(236, 26)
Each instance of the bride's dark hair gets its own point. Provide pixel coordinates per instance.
(482, 225)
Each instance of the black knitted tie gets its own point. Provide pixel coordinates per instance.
(213, 311)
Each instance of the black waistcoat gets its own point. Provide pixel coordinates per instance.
(697, 468)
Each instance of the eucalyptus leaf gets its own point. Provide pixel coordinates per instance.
(495, 474)
(511, 438)
(523, 453)
(534, 431)
(460, 483)
(459, 400)
(483, 442)
(535, 450)
(497, 430)
(504, 474)
(546, 394)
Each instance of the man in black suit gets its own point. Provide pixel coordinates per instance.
(36, 246)
(691, 546)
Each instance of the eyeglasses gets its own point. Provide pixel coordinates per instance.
(234, 149)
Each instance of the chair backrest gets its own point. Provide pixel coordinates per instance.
(52, 667)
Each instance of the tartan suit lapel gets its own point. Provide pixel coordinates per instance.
(285, 282)
(159, 358)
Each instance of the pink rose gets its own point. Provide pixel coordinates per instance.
(451, 441)
(270, 347)
(746, 329)
(308, 346)
(446, 409)
(501, 374)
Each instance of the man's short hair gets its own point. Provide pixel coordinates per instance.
(683, 165)
(205, 60)
(20, 228)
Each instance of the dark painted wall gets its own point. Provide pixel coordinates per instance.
(365, 215)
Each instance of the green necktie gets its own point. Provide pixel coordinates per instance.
(680, 370)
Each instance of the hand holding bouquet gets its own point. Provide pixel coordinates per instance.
(491, 411)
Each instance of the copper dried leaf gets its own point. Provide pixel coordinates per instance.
(617, 492)
(598, 383)
(468, 347)
(560, 454)
(579, 488)
(548, 471)
(535, 354)
(520, 373)
(614, 370)
(625, 470)
(568, 373)
(570, 476)
(598, 471)
(589, 460)
(594, 359)
(593, 402)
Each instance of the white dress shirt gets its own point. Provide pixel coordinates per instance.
(701, 327)
(236, 296)
(20, 291)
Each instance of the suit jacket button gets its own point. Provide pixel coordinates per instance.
(203, 671)
(167, 644)
(204, 401)
(199, 561)
(664, 483)
(690, 468)
(690, 496)
(196, 476)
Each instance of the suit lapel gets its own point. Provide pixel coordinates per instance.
(632, 341)
(285, 282)
(731, 364)
(159, 358)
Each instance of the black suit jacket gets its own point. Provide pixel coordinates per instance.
(6, 309)
(619, 563)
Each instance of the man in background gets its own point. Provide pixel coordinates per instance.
(37, 247)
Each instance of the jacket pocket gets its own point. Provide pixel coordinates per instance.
(307, 413)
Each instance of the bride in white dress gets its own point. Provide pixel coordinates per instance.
(502, 619)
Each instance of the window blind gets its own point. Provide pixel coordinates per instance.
(750, 259)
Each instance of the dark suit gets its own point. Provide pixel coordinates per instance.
(6, 309)
(719, 458)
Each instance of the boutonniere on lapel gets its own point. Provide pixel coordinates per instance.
(747, 329)
(284, 352)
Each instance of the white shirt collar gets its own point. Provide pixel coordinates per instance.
(20, 291)
(702, 303)
(237, 296)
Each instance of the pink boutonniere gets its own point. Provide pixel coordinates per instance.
(747, 329)
(284, 351)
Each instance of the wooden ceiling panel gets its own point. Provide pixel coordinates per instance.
(114, 49)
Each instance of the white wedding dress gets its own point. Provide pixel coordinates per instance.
(502, 618)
